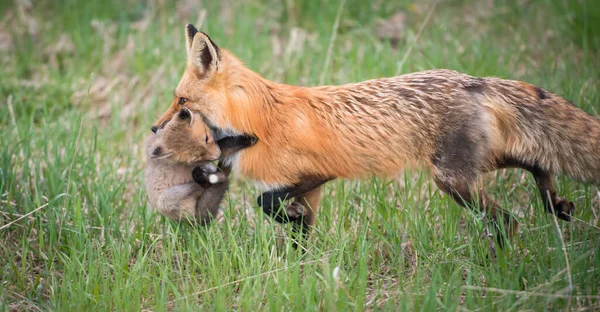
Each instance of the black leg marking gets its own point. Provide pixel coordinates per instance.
(561, 207)
(271, 201)
(232, 144)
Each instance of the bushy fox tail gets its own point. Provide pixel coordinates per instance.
(547, 131)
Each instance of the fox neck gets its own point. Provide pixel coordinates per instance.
(282, 117)
(259, 106)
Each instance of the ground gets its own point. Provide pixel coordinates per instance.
(81, 82)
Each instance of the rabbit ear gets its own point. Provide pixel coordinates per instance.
(186, 115)
(157, 152)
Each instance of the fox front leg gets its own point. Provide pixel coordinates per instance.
(271, 201)
(301, 212)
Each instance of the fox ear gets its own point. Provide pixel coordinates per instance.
(203, 53)
(190, 32)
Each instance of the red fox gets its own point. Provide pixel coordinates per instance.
(181, 182)
(456, 125)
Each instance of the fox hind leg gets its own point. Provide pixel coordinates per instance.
(461, 156)
(463, 192)
(561, 207)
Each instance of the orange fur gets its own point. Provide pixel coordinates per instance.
(457, 125)
(294, 137)
(375, 127)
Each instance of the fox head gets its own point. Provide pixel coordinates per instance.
(204, 86)
(185, 139)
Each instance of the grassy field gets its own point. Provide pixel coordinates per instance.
(81, 82)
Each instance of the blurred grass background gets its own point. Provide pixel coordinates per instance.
(81, 82)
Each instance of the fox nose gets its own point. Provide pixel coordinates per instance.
(154, 129)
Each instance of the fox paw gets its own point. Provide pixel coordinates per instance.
(563, 209)
(295, 211)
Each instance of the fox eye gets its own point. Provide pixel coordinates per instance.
(206, 139)
(182, 100)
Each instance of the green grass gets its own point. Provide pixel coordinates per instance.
(76, 230)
